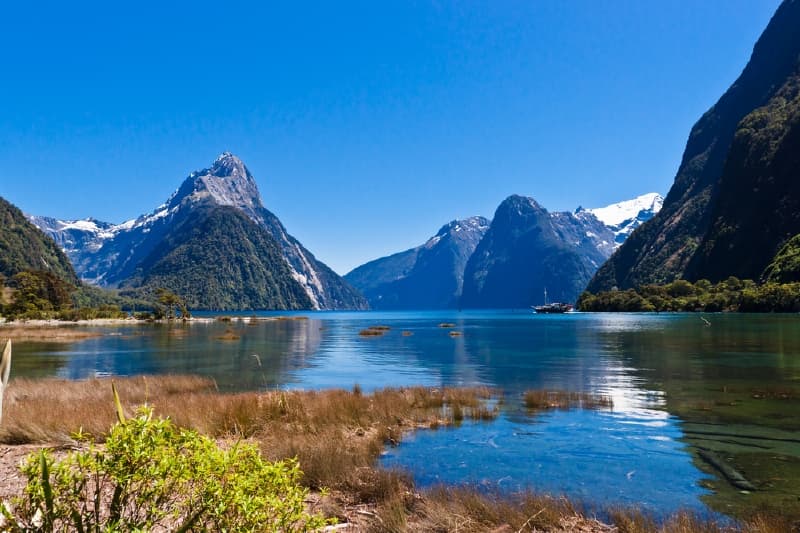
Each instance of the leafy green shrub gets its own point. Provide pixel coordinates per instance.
(151, 475)
(90, 313)
(731, 294)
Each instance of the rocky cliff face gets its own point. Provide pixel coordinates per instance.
(114, 254)
(429, 276)
(735, 200)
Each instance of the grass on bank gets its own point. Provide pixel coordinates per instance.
(337, 437)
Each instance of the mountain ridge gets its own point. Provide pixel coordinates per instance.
(428, 284)
(110, 254)
(527, 249)
(429, 276)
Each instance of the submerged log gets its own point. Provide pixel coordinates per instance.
(731, 474)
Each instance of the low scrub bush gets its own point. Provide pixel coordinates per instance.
(151, 475)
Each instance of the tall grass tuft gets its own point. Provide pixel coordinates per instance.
(5, 372)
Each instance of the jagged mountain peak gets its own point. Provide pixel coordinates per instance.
(229, 165)
(124, 255)
(429, 276)
(620, 212)
(227, 182)
(624, 217)
(517, 206)
(519, 201)
(465, 224)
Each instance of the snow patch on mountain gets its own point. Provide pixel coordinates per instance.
(624, 217)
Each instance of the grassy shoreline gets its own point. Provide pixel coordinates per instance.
(337, 436)
(54, 330)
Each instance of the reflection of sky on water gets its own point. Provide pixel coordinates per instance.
(599, 458)
(632, 454)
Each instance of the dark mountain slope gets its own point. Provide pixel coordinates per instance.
(716, 166)
(527, 250)
(758, 204)
(785, 267)
(430, 276)
(217, 258)
(24, 247)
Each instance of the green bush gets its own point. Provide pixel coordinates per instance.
(731, 294)
(150, 475)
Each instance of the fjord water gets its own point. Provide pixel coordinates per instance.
(678, 386)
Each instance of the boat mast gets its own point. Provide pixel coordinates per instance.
(545, 296)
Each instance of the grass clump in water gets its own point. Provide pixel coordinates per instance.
(543, 399)
(229, 335)
(374, 331)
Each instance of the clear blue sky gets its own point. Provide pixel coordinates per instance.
(366, 124)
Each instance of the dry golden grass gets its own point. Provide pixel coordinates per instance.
(229, 335)
(337, 436)
(42, 334)
(467, 510)
(632, 521)
(46, 411)
(542, 399)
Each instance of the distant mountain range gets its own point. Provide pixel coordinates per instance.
(735, 201)
(243, 259)
(506, 263)
(429, 276)
(214, 243)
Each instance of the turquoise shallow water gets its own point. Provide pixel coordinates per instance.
(636, 453)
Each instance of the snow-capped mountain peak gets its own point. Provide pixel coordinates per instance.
(624, 217)
(226, 182)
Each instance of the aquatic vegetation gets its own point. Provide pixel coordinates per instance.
(374, 331)
(229, 335)
(543, 399)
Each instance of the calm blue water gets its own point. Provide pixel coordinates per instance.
(635, 453)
